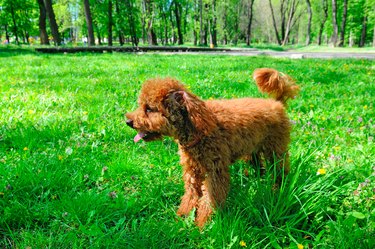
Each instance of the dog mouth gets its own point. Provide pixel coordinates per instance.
(146, 136)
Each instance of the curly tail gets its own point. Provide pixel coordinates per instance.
(276, 84)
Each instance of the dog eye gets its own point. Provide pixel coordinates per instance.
(148, 109)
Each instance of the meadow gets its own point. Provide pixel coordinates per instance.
(72, 177)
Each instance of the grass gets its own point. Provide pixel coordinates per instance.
(71, 176)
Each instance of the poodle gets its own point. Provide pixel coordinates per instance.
(213, 134)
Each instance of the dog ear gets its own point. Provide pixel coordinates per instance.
(198, 114)
(174, 102)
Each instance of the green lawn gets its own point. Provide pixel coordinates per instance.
(72, 177)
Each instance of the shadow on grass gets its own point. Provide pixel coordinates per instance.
(11, 50)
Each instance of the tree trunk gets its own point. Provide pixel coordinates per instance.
(27, 37)
(143, 21)
(213, 20)
(362, 42)
(343, 24)
(7, 38)
(334, 23)
(42, 23)
(99, 35)
(110, 23)
(196, 20)
(165, 29)
(185, 22)
(177, 12)
(132, 28)
(309, 11)
(90, 29)
(322, 23)
(274, 23)
(225, 25)
(165, 25)
(15, 28)
(151, 35)
(283, 9)
(121, 38)
(236, 26)
(289, 25)
(174, 38)
(119, 25)
(202, 32)
(351, 39)
(52, 22)
(249, 21)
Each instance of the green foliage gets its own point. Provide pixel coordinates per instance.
(17, 18)
(71, 176)
(132, 18)
(67, 14)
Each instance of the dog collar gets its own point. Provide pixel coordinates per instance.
(191, 144)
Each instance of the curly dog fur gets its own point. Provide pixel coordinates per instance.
(213, 134)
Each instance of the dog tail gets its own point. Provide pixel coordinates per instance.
(276, 84)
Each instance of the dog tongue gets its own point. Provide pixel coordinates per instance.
(138, 137)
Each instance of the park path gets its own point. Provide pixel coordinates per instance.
(215, 51)
(289, 54)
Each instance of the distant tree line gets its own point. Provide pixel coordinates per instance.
(198, 22)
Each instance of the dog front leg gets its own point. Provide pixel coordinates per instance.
(215, 189)
(191, 196)
(206, 205)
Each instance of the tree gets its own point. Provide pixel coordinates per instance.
(250, 15)
(148, 11)
(164, 8)
(197, 21)
(67, 18)
(177, 11)
(202, 26)
(224, 20)
(212, 25)
(323, 20)
(14, 19)
(274, 23)
(335, 36)
(42, 23)
(132, 22)
(371, 13)
(119, 22)
(288, 9)
(362, 41)
(103, 20)
(90, 29)
(334, 23)
(235, 13)
(292, 10)
(343, 24)
(110, 23)
(309, 11)
(4, 18)
(52, 22)
(17, 20)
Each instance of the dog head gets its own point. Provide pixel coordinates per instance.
(167, 108)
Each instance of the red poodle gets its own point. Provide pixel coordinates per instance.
(213, 134)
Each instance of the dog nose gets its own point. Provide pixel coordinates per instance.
(130, 123)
